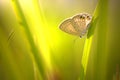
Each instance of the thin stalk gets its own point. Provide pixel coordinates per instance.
(34, 49)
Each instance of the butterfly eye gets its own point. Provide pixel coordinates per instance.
(80, 17)
(83, 17)
(88, 17)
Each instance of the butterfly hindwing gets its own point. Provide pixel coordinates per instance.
(79, 23)
(68, 27)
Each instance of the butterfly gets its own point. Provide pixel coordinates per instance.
(77, 25)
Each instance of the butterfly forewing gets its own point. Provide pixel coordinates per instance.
(67, 27)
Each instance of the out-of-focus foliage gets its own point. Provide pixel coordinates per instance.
(33, 48)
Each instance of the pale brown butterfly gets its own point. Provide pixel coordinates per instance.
(77, 25)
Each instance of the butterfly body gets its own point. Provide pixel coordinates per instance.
(77, 25)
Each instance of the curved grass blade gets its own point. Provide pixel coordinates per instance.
(36, 54)
(88, 41)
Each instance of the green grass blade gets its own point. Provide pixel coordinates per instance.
(34, 49)
(100, 55)
(88, 43)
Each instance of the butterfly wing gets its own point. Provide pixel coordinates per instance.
(78, 25)
(81, 22)
(68, 27)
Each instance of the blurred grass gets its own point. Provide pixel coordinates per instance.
(102, 28)
(7, 59)
(37, 49)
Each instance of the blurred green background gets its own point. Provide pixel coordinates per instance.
(32, 47)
